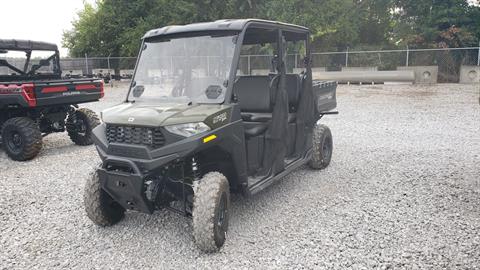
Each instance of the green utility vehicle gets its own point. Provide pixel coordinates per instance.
(197, 125)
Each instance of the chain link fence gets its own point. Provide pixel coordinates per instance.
(449, 62)
(117, 67)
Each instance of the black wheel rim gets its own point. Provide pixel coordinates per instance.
(221, 219)
(327, 148)
(80, 127)
(15, 142)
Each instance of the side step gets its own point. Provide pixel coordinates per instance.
(262, 183)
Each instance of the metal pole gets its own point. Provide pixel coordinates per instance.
(86, 62)
(346, 58)
(108, 72)
(408, 54)
(478, 57)
(208, 66)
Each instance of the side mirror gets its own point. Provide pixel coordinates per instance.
(138, 90)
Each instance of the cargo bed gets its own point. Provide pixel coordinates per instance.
(40, 93)
(325, 93)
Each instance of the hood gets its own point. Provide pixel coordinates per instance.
(154, 115)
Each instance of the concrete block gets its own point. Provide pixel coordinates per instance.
(423, 74)
(74, 72)
(103, 71)
(359, 68)
(260, 71)
(318, 71)
(298, 70)
(366, 76)
(126, 72)
(470, 74)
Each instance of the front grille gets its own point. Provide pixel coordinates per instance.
(147, 136)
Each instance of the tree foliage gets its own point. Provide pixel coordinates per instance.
(439, 23)
(114, 27)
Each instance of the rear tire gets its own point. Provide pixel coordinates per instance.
(322, 148)
(80, 124)
(99, 205)
(21, 138)
(210, 212)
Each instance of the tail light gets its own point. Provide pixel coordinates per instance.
(28, 94)
(81, 87)
(26, 90)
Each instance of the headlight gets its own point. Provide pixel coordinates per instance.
(187, 130)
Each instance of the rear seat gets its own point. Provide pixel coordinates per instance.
(293, 83)
(255, 99)
(248, 89)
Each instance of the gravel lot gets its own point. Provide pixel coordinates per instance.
(402, 191)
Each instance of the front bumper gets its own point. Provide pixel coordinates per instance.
(127, 189)
(127, 185)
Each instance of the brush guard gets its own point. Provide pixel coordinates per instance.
(123, 180)
(125, 183)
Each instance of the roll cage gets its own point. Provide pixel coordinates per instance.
(240, 27)
(280, 51)
(29, 71)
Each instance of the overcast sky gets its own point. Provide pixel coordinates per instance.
(42, 20)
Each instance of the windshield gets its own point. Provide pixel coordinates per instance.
(184, 70)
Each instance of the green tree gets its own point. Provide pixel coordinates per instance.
(114, 27)
(82, 39)
(437, 23)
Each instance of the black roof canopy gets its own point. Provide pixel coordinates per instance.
(225, 25)
(26, 45)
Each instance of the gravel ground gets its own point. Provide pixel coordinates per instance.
(402, 191)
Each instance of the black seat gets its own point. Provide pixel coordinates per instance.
(252, 111)
(293, 84)
(255, 99)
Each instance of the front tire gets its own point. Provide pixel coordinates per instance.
(21, 138)
(99, 205)
(80, 124)
(322, 148)
(210, 212)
